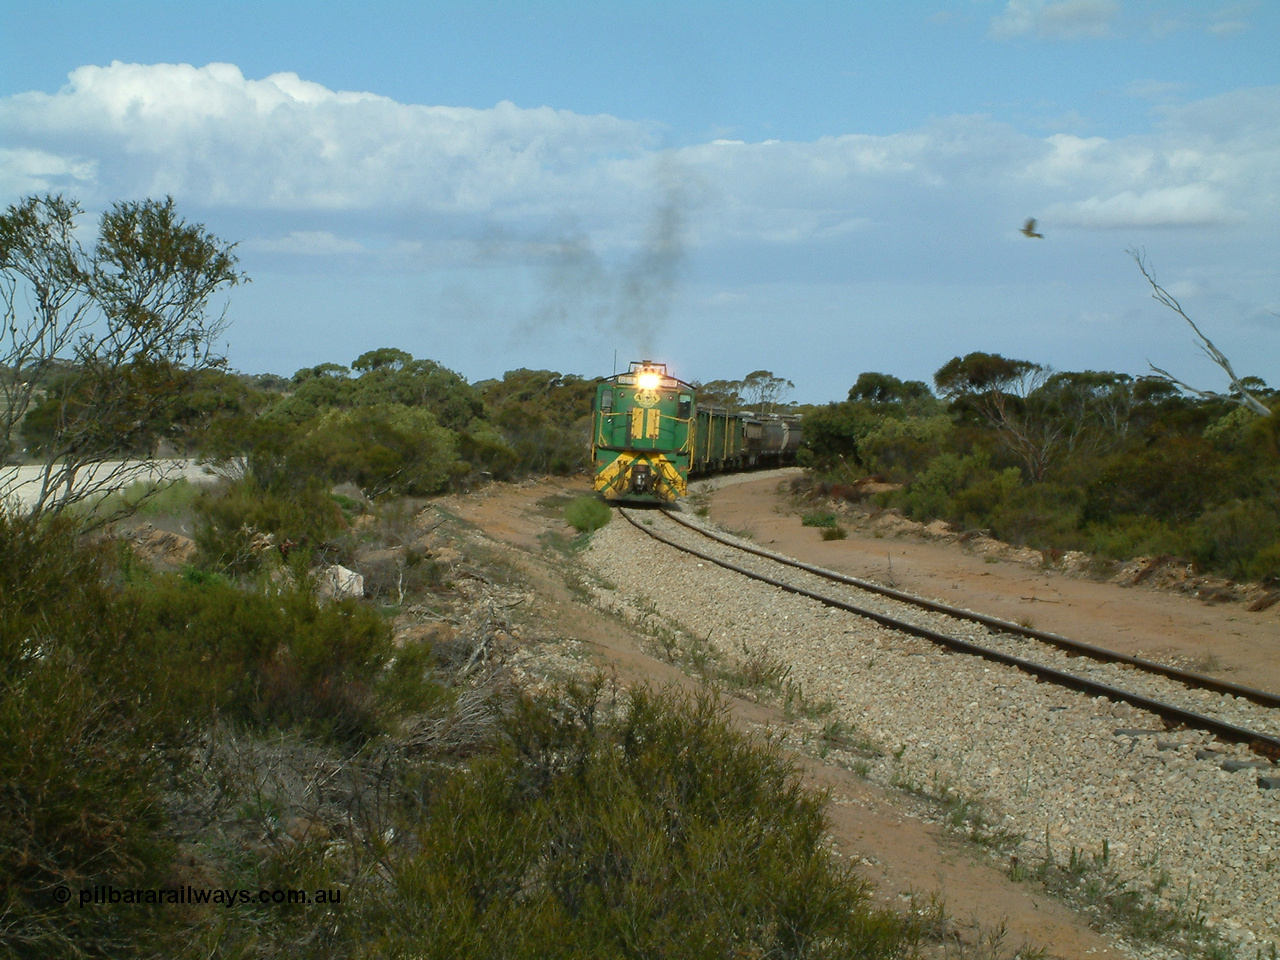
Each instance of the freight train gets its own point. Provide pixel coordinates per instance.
(648, 435)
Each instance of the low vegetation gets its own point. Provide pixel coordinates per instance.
(1091, 883)
(219, 728)
(586, 514)
(396, 426)
(655, 831)
(825, 519)
(1104, 463)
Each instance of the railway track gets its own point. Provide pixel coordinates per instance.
(1023, 648)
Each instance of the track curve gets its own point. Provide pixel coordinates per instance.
(1262, 743)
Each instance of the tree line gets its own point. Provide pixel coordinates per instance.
(1112, 464)
(112, 351)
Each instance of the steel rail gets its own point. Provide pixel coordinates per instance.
(1262, 743)
(1188, 677)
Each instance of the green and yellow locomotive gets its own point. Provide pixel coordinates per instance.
(642, 434)
(648, 435)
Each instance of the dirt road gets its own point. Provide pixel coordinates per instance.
(22, 484)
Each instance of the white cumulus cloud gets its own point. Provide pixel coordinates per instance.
(211, 135)
(349, 174)
(1056, 19)
(1194, 204)
(27, 171)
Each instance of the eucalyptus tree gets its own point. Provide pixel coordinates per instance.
(101, 347)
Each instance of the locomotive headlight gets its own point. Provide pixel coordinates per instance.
(648, 380)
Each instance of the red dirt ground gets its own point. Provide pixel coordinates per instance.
(903, 855)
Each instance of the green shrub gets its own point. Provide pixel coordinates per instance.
(406, 684)
(587, 514)
(233, 523)
(1234, 536)
(983, 492)
(349, 506)
(1040, 514)
(659, 834)
(834, 533)
(929, 496)
(80, 720)
(149, 499)
(266, 658)
(1127, 537)
(1266, 564)
(818, 520)
(487, 451)
(1173, 479)
(832, 434)
(384, 449)
(904, 446)
(105, 684)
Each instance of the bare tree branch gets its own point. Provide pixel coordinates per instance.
(1239, 393)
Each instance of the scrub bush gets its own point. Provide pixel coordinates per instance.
(826, 519)
(107, 683)
(661, 833)
(148, 499)
(80, 778)
(231, 525)
(384, 449)
(1126, 536)
(1172, 479)
(1236, 537)
(266, 658)
(1041, 513)
(587, 514)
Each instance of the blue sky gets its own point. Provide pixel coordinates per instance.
(813, 188)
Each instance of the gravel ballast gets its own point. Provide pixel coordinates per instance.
(1063, 770)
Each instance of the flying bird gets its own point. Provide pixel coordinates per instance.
(1029, 229)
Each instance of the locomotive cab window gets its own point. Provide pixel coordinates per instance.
(606, 400)
(685, 407)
